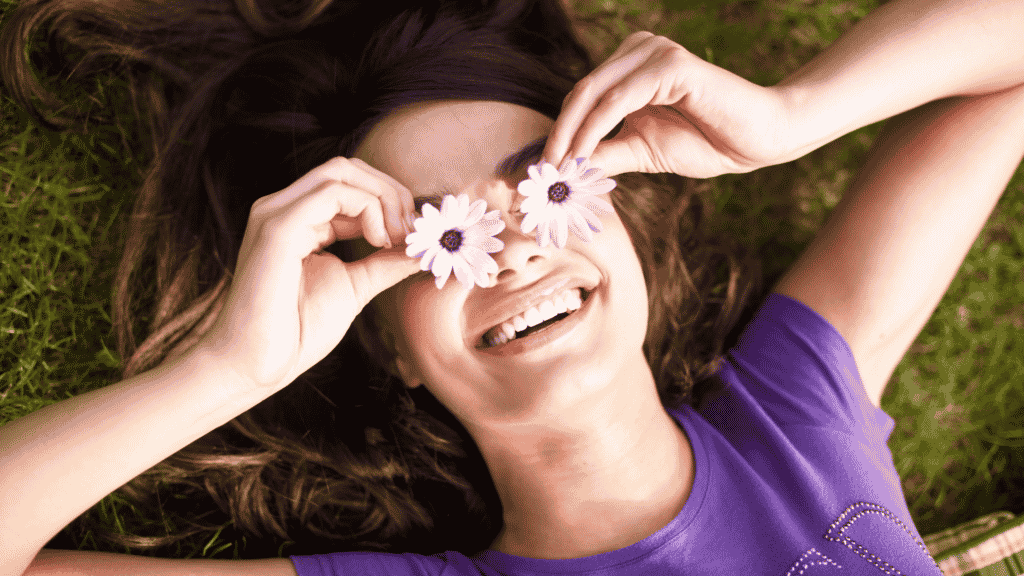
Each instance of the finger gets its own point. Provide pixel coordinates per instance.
(404, 194)
(649, 84)
(616, 156)
(312, 217)
(633, 50)
(344, 170)
(378, 272)
(390, 195)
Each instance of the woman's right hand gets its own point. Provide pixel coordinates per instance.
(680, 114)
(288, 304)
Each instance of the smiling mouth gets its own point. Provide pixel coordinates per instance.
(496, 336)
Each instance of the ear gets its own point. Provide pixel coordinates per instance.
(406, 373)
(398, 367)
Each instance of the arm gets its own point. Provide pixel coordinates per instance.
(880, 265)
(681, 114)
(74, 563)
(58, 461)
(902, 55)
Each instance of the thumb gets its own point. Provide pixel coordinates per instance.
(615, 157)
(379, 271)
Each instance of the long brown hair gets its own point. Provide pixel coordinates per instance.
(237, 100)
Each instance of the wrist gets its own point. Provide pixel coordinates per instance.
(807, 128)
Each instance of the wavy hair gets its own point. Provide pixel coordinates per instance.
(236, 100)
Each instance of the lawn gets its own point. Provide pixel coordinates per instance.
(957, 397)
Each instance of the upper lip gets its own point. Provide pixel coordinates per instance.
(521, 300)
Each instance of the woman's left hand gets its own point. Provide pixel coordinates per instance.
(682, 115)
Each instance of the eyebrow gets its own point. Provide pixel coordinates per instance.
(503, 171)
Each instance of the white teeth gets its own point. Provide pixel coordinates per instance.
(508, 329)
(533, 317)
(567, 301)
(560, 305)
(573, 302)
(519, 323)
(547, 309)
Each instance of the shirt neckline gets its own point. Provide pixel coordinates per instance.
(684, 415)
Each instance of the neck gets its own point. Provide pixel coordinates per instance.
(598, 476)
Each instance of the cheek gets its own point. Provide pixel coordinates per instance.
(429, 325)
(626, 273)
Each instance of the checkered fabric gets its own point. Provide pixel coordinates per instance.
(992, 545)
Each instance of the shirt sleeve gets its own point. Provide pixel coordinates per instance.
(367, 564)
(800, 371)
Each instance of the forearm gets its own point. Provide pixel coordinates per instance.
(900, 56)
(889, 250)
(58, 461)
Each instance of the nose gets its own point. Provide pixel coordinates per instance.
(521, 254)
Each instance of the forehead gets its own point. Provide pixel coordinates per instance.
(449, 145)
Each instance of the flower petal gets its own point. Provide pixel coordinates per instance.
(597, 205)
(417, 246)
(479, 260)
(475, 236)
(543, 229)
(533, 203)
(448, 203)
(530, 187)
(591, 219)
(578, 225)
(430, 215)
(463, 271)
(486, 227)
(534, 172)
(476, 212)
(460, 210)
(429, 226)
(591, 175)
(561, 232)
(490, 244)
(441, 267)
(549, 175)
(428, 257)
(530, 221)
(567, 169)
(602, 186)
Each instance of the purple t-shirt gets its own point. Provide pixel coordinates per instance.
(793, 477)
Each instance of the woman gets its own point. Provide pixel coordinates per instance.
(593, 469)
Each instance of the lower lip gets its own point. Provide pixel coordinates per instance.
(552, 333)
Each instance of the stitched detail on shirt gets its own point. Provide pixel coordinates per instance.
(837, 533)
(804, 563)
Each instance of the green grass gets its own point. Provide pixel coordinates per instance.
(957, 396)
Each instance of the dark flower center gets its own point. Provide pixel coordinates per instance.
(451, 240)
(558, 192)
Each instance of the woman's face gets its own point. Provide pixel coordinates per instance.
(454, 146)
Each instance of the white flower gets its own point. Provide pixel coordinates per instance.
(458, 238)
(560, 200)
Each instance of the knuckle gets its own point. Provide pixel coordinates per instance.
(583, 87)
(640, 35)
(613, 97)
(261, 207)
(677, 52)
(340, 161)
(258, 204)
(337, 168)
